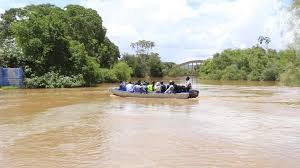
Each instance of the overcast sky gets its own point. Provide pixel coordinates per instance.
(185, 29)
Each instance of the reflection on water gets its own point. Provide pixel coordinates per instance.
(230, 125)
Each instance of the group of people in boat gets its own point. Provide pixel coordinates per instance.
(155, 87)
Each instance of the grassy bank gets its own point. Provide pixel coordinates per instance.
(8, 87)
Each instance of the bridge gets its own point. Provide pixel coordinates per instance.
(190, 65)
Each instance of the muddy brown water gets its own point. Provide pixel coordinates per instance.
(230, 125)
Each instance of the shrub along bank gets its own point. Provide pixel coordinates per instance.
(255, 64)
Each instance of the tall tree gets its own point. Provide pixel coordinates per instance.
(85, 26)
(144, 62)
(142, 46)
(264, 40)
(46, 38)
(7, 19)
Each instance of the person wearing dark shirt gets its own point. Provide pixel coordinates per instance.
(171, 88)
(122, 86)
(163, 87)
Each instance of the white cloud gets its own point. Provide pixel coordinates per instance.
(189, 29)
(183, 31)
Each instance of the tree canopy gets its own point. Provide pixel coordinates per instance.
(142, 46)
(254, 63)
(45, 38)
(144, 62)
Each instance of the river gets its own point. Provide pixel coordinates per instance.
(230, 125)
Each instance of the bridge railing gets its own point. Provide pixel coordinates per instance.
(190, 65)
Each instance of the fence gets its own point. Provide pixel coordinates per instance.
(11, 77)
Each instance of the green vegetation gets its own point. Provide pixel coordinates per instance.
(69, 48)
(59, 47)
(167, 66)
(177, 71)
(255, 63)
(143, 62)
(54, 80)
(122, 71)
(8, 87)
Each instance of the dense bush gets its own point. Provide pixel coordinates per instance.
(91, 72)
(108, 75)
(54, 80)
(271, 72)
(255, 64)
(232, 72)
(177, 71)
(167, 66)
(291, 77)
(122, 71)
(236, 65)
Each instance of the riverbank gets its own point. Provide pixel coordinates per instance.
(178, 80)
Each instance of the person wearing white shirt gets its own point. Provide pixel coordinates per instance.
(188, 84)
(157, 87)
(129, 87)
(170, 88)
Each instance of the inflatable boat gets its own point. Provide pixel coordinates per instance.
(184, 95)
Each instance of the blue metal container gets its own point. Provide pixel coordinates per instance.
(1, 77)
(11, 77)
